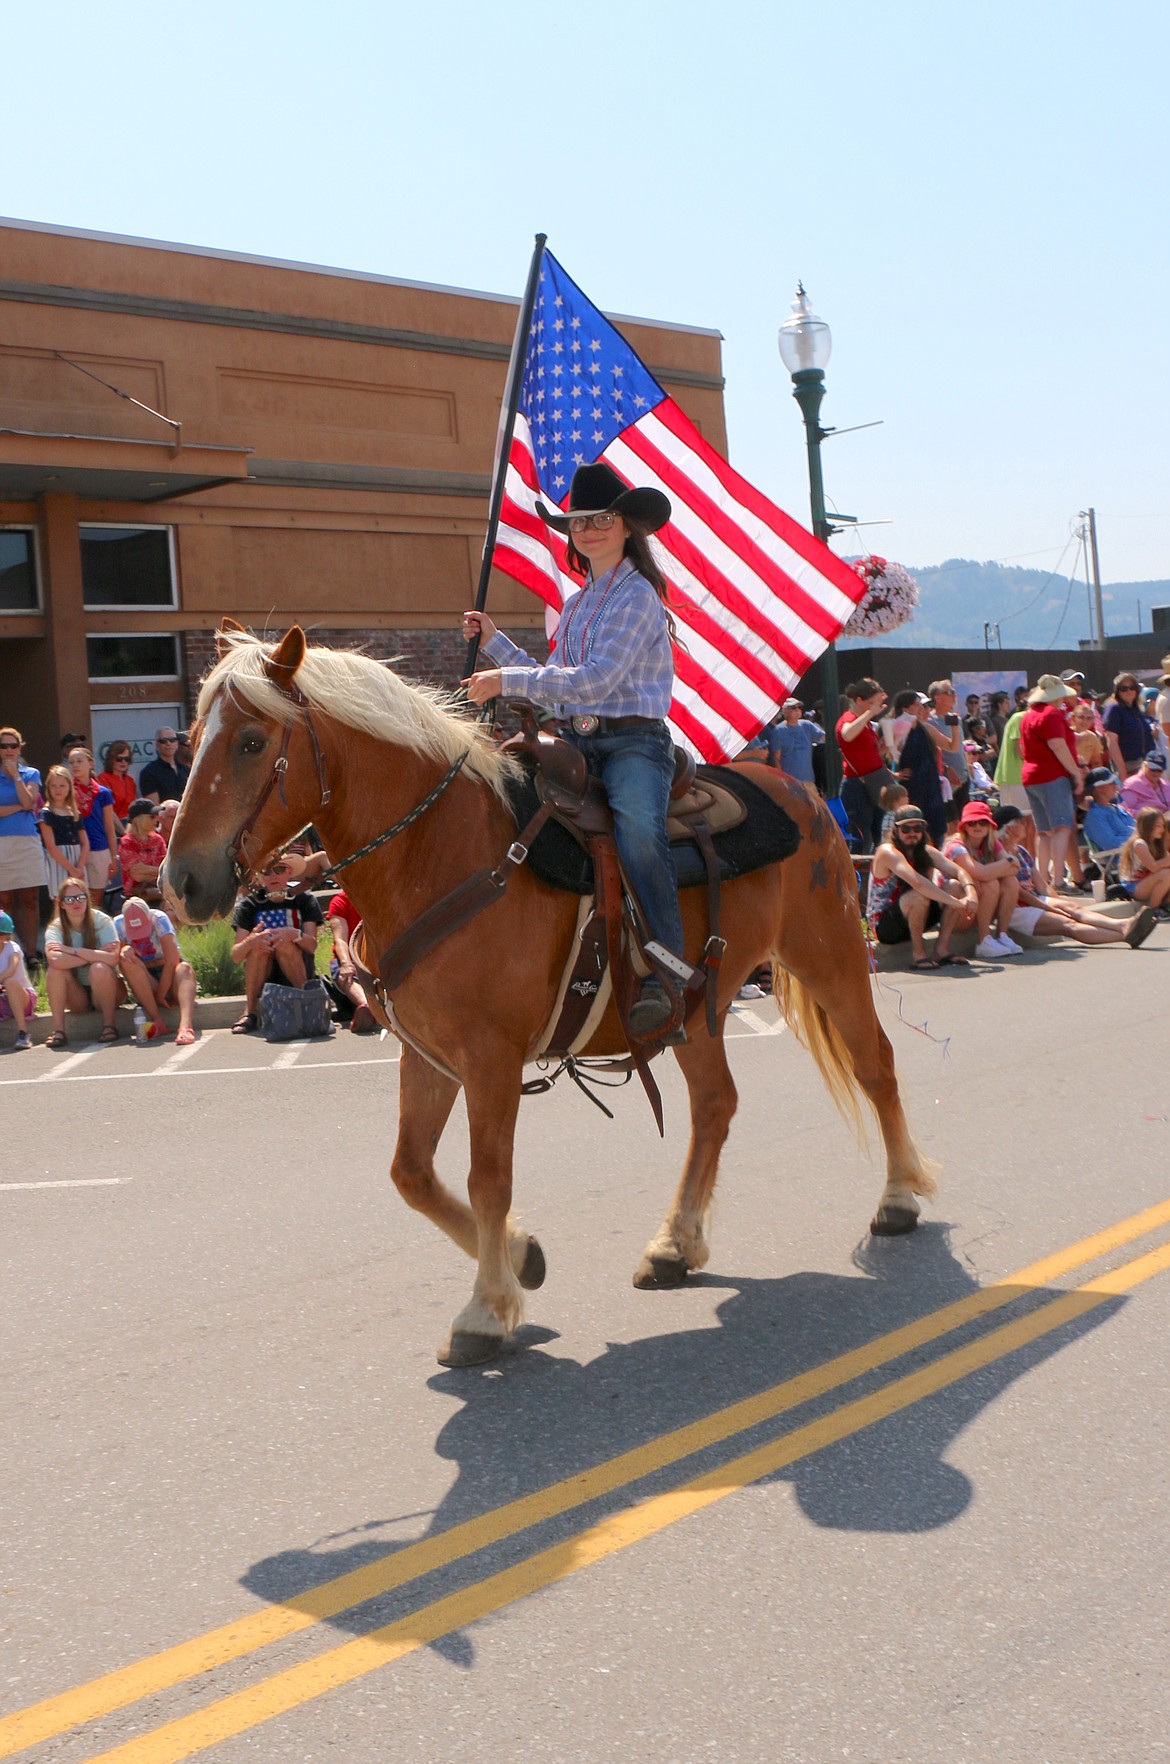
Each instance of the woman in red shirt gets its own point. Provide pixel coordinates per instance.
(118, 778)
(1051, 775)
(865, 771)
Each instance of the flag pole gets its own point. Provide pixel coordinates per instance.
(504, 437)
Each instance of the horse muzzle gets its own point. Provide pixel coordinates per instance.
(198, 885)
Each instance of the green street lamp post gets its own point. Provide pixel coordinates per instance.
(805, 346)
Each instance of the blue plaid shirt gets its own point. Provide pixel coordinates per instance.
(612, 655)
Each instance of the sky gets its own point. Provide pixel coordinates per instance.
(975, 199)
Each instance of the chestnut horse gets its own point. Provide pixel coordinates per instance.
(354, 748)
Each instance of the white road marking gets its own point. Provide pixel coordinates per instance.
(290, 1055)
(759, 1025)
(86, 1053)
(214, 1071)
(81, 1182)
(178, 1058)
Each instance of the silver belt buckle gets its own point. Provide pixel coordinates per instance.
(585, 725)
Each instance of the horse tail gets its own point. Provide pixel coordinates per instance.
(813, 1029)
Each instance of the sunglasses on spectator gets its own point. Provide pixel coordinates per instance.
(167, 741)
(14, 745)
(73, 899)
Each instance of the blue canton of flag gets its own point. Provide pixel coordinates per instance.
(582, 386)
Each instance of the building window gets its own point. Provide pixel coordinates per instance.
(18, 570)
(149, 657)
(127, 567)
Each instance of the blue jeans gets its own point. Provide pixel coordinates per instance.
(637, 769)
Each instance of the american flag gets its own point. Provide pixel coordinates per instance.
(756, 597)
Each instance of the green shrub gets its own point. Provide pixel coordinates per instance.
(208, 949)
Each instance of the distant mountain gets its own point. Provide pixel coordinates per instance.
(1034, 609)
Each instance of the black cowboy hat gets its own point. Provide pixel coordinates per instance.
(597, 489)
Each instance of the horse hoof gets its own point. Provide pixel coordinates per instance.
(467, 1347)
(893, 1221)
(660, 1272)
(532, 1273)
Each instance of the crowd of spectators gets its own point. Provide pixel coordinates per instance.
(1007, 819)
(996, 819)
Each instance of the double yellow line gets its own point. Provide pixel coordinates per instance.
(288, 1689)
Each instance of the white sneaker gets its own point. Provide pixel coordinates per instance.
(989, 950)
(751, 990)
(1008, 945)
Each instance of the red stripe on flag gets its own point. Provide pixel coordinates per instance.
(814, 613)
(813, 550)
(522, 459)
(696, 733)
(734, 599)
(522, 569)
(753, 667)
(724, 703)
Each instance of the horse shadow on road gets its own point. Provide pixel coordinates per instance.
(547, 1418)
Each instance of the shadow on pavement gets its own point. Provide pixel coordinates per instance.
(531, 1419)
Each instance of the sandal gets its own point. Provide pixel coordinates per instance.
(109, 1033)
(247, 1025)
(952, 961)
(185, 1038)
(924, 964)
(57, 1039)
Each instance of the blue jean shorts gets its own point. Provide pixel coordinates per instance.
(1052, 804)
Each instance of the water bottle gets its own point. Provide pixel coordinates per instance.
(140, 1026)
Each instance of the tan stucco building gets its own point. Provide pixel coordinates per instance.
(185, 433)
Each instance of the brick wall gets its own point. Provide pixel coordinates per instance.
(437, 656)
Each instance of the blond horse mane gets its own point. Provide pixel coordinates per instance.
(363, 694)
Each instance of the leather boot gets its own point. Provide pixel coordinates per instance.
(651, 1009)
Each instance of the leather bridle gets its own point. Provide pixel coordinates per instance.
(237, 849)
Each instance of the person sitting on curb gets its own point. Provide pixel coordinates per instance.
(343, 920)
(81, 962)
(992, 875)
(1145, 861)
(142, 851)
(18, 999)
(166, 818)
(905, 900)
(1039, 915)
(1108, 823)
(153, 968)
(1148, 787)
(276, 939)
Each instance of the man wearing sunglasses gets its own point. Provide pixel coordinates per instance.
(164, 776)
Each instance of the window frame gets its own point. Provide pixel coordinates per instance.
(136, 606)
(26, 612)
(134, 679)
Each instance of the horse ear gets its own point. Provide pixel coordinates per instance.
(227, 628)
(286, 658)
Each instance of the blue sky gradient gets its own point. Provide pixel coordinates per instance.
(976, 200)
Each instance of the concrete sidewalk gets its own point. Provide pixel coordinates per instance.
(84, 1027)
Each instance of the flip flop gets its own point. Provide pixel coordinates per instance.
(184, 1038)
(924, 964)
(952, 961)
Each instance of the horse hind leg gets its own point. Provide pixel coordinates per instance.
(426, 1099)
(680, 1244)
(836, 1020)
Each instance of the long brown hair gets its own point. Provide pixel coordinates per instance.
(1147, 820)
(62, 921)
(637, 549)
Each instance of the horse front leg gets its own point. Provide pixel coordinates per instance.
(681, 1243)
(496, 1307)
(426, 1098)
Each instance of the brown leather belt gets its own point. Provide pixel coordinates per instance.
(588, 724)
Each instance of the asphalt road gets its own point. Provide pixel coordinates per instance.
(836, 1498)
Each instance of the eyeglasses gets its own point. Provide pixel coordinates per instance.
(74, 899)
(601, 523)
(121, 759)
(1127, 688)
(167, 741)
(14, 745)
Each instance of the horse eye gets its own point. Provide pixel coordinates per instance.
(252, 744)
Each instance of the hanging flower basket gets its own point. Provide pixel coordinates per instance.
(890, 598)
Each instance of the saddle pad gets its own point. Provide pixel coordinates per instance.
(765, 835)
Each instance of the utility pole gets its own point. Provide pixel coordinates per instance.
(1090, 514)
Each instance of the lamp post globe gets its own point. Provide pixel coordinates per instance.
(806, 343)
